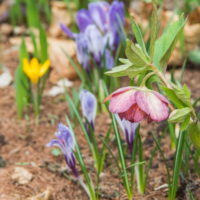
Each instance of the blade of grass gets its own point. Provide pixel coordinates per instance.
(177, 165)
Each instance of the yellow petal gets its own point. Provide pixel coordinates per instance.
(34, 79)
(44, 67)
(26, 67)
(35, 70)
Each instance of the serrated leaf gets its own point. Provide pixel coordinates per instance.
(173, 98)
(185, 123)
(183, 93)
(124, 61)
(138, 35)
(179, 115)
(194, 133)
(154, 24)
(136, 55)
(166, 43)
(125, 70)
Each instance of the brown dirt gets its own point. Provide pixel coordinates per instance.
(24, 145)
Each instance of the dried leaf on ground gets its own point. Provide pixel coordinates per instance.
(21, 175)
(5, 79)
(46, 195)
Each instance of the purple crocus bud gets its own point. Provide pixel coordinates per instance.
(109, 60)
(66, 143)
(98, 12)
(88, 106)
(83, 54)
(129, 130)
(83, 19)
(95, 43)
(116, 16)
(116, 13)
(68, 32)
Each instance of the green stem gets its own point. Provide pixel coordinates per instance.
(140, 168)
(177, 165)
(122, 160)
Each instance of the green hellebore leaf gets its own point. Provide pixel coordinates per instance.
(126, 70)
(172, 97)
(136, 55)
(194, 56)
(138, 35)
(184, 94)
(153, 31)
(194, 133)
(166, 43)
(179, 115)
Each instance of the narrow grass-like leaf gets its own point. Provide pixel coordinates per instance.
(122, 160)
(21, 82)
(32, 14)
(75, 66)
(43, 44)
(177, 165)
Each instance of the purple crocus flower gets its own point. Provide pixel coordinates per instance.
(99, 32)
(65, 142)
(88, 106)
(129, 129)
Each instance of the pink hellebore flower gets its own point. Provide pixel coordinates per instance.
(135, 104)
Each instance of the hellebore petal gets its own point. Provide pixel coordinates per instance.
(65, 142)
(152, 105)
(83, 19)
(133, 114)
(122, 100)
(98, 12)
(88, 105)
(68, 32)
(135, 104)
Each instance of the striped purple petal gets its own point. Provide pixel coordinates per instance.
(88, 105)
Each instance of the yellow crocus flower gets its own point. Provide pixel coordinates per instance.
(34, 70)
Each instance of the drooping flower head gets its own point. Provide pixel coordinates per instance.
(88, 106)
(34, 70)
(135, 104)
(66, 144)
(99, 27)
(129, 130)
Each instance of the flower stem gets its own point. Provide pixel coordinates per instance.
(177, 166)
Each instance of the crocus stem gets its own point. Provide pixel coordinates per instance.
(177, 165)
(36, 103)
(140, 168)
(83, 185)
(122, 160)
